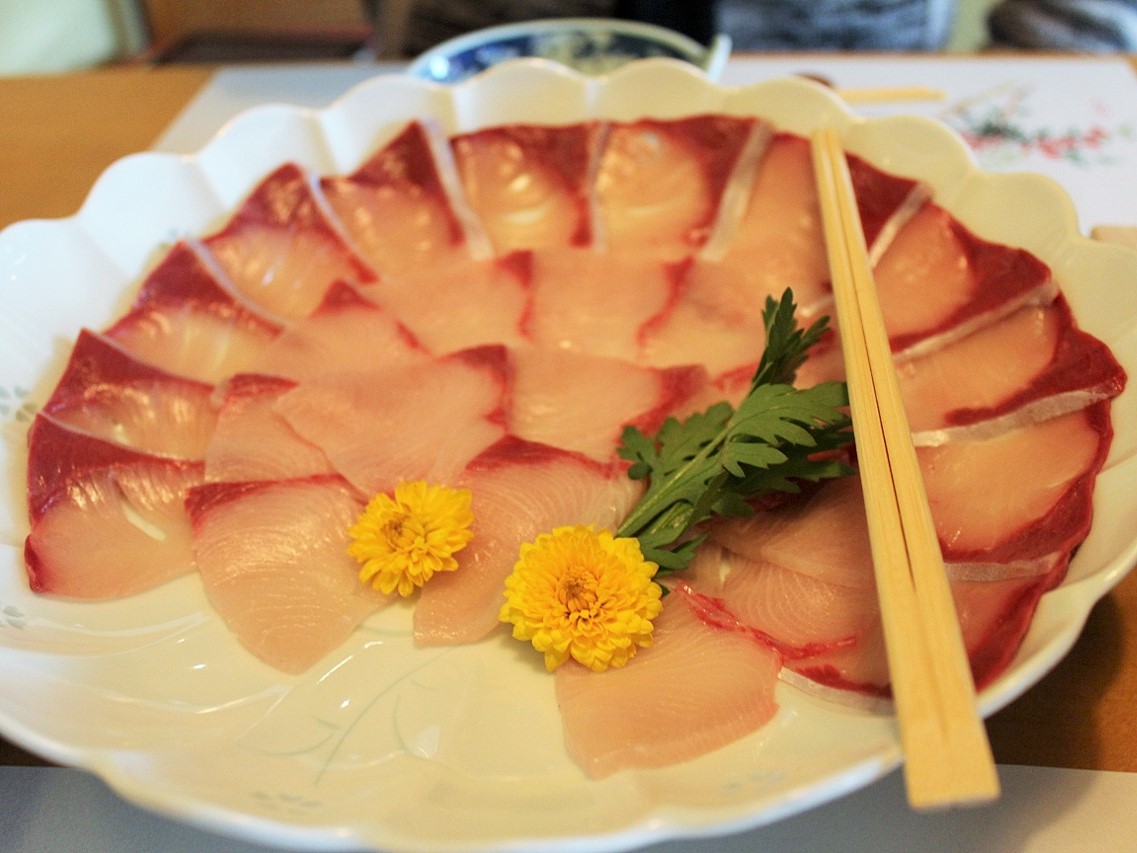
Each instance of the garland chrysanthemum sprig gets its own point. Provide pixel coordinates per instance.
(715, 462)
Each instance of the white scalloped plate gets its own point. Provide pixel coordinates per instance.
(384, 745)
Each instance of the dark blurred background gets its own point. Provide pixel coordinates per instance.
(39, 37)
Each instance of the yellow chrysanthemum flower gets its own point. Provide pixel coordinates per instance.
(400, 541)
(583, 594)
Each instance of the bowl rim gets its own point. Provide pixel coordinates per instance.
(709, 58)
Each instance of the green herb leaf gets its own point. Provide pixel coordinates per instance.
(714, 462)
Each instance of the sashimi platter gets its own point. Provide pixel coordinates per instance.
(469, 468)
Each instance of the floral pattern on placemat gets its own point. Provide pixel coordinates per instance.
(1002, 128)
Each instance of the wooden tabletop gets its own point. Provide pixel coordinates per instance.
(60, 132)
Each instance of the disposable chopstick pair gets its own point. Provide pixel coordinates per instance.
(947, 755)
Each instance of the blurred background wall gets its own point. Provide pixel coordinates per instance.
(44, 36)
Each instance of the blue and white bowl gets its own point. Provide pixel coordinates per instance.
(588, 45)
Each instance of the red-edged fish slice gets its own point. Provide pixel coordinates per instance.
(395, 206)
(1035, 364)
(274, 562)
(520, 490)
(937, 281)
(109, 393)
(582, 403)
(660, 182)
(695, 689)
(281, 251)
(529, 184)
(346, 331)
(186, 321)
(599, 302)
(253, 441)
(485, 301)
(778, 241)
(106, 521)
(1042, 476)
(713, 321)
(406, 422)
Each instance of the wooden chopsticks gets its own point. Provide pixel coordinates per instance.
(890, 94)
(947, 755)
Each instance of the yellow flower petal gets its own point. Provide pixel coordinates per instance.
(402, 540)
(582, 594)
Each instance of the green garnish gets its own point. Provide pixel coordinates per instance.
(714, 462)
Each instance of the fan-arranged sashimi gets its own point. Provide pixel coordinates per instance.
(281, 251)
(520, 490)
(702, 688)
(106, 521)
(482, 318)
(273, 558)
(529, 184)
(395, 206)
(111, 394)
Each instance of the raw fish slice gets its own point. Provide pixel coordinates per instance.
(582, 403)
(1030, 366)
(713, 321)
(937, 282)
(111, 394)
(520, 490)
(845, 673)
(659, 182)
(253, 441)
(528, 184)
(186, 321)
(1011, 499)
(778, 242)
(994, 617)
(823, 535)
(106, 521)
(273, 558)
(395, 206)
(695, 689)
(460, 302)
(345, 331)
(881, 198)
(599, 302)
(1022, 494)
(189, 275)
(797, 609)
(826, 362)
(407, 422)
(281, 251)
